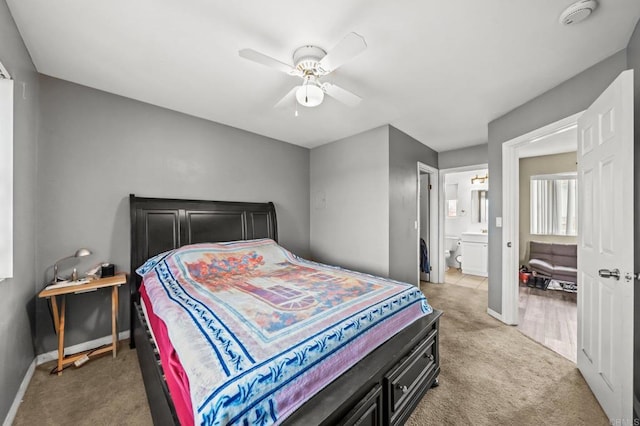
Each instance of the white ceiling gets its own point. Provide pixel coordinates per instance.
(555, 143)
(437, 70)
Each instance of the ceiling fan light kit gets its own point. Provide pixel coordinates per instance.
(310, 94)
(310, 63)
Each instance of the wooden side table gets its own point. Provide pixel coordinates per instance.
(59, 314)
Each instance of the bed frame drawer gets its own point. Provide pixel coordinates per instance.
(406, 381)
(368, 411)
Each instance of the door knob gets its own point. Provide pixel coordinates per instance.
(606, 273)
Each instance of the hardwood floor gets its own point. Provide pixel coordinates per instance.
(454, 276)
(551, 318)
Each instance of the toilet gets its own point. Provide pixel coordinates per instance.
(452, 245)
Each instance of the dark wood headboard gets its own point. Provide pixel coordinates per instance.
(161, 224)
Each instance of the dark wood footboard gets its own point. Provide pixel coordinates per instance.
(382, 389)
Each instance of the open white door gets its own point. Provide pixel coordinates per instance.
(605, 248)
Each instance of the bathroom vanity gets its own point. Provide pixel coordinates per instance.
(475, 253)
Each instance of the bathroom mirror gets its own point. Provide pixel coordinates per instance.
(479, 205)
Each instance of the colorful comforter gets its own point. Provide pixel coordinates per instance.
(259, 331)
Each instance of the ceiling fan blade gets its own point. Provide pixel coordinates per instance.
(342, 95)
(288, 98)
(268, 61)
(350, 46)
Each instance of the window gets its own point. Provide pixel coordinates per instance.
(553, 204)
(6, 175)
(451, 196)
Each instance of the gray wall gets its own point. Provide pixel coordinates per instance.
(404, 154)
(633, 61)
(17, 310)
(469, 156)
(350, 227)
(570, 97)
(96, 148)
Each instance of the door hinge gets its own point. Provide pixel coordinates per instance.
(430, 187)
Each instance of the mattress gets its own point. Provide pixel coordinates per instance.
(248, 331)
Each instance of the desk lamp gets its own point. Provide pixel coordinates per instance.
(79, 253)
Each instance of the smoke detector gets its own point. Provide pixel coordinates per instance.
(578, 11)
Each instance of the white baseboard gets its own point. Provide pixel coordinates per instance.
(495, 314)
(11, 415)
(50, 356)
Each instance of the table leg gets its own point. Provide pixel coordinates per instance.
(114, 318)
(61, 333)
(56, 317)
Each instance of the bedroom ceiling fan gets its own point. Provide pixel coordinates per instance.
(311, 63)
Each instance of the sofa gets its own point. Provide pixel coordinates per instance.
(556, 261)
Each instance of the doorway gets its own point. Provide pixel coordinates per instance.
(453, 264)
(466, 204)
(547, 240)
(427, 222)
(511, 152)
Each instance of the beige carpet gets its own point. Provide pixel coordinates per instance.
(494, 375)
(104, 391)
(491, 375)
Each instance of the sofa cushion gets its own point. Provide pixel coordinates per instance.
(542, 266)
(564, 273)
(565, 255)
(542, 251)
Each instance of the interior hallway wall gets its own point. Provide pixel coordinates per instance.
(350, 202)
(469, 156)
(17, 311)
(96, 148)
(404, 154)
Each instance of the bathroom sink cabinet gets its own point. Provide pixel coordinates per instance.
(475, 254)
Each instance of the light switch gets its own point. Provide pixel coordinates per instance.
(498, 222)
(320, 200)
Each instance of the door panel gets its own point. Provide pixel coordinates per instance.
(605, 241)
(606, 335)
(606, 229)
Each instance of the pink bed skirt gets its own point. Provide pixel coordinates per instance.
(177, 380)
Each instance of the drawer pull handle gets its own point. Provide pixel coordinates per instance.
(403, 388)
(430, 356)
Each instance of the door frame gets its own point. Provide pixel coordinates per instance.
(443, 213)
(511, 211)
(434, 221)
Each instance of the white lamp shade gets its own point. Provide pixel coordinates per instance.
(309, 95)
(82, 252)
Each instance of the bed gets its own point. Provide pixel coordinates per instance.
(381, 388)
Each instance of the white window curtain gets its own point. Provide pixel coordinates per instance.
(553, 204)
